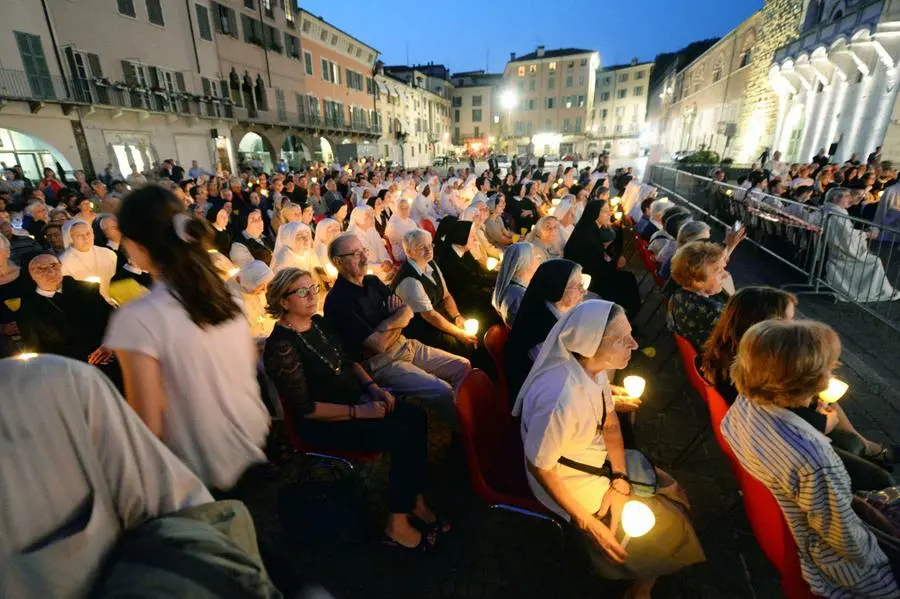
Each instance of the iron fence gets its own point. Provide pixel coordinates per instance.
(835, 254)
(20, 85)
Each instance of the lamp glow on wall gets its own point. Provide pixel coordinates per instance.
(508, 99)
(471, 326)
(836, 390)
(637, 520)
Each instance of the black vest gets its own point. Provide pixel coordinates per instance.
(257, 249)
(418, 328)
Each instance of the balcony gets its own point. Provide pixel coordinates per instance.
(865, 16)
(35, 89)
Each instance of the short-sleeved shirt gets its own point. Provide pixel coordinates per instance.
(694, 316)
(215, 419)
(412, 292)
(561, 417)
(354, 311)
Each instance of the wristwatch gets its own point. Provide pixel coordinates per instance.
(617, 485)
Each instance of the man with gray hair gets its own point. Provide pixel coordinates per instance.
(656, 211)
(369, 319)
(420, 284)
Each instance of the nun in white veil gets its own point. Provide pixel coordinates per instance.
(84, 261)
(294, 248)
(326, 232)
(567, 407)
(566, 214)
(362, 224)
(630, 195)
(518, 266)
(398, 226)
(449, 200)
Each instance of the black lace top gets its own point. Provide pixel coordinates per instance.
(306, 374)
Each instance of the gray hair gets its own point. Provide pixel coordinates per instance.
(658, 207)
(337, 244)
(412, 236)
(835, 193)
(692, 230)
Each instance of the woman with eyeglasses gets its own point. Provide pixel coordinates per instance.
(335, 404)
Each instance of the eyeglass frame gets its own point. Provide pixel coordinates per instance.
(313, 289)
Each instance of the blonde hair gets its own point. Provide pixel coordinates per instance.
(690, 261)
(785, 363)
(279, 287)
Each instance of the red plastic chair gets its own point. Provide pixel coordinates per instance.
(718, 407)
(494, 341)
(493, 449)
(428, 226)
(319, 217)
(773, 535)
(348, 458)
(689, 364)
(390, 249)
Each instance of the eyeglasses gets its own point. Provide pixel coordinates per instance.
(303, 292)
(356, 254)
(48, 269)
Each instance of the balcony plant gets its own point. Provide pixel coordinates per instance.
(102, 82)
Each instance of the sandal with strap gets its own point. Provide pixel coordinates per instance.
(886, 458)
(440, 526)
(426, 542)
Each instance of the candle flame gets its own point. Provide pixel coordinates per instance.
(95, 279)
(836, 390)
(634, 385)
(492, 263)
(26, 355)
(471, 326)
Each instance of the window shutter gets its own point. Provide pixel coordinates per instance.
(128, 71)
(223, 88)
(94, 64)
(232, 23)
(179, 81)
(155, 13)
(207, 88)
(155, 78)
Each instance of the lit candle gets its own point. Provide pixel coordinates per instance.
(233, 272)
(634, 385)
(26, 355)
(555, 201)
(369, 271)
(492, 263)
(617, 215)
(212, 251)
(637, 520)
(729, 192)
(470, 326)
(585, 281)
(94, 279)
(331, 270)
(615, 201)
(558, 181)
(835, 391)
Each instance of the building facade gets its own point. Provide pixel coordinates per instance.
(477, 110)
(218, 82)
(837, 82)
(620, 108)
(552, 94)
(701, 104)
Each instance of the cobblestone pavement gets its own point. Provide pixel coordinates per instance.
(327, 520)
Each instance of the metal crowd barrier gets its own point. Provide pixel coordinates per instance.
(834, 254)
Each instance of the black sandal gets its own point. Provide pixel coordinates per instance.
(440, 526)
(425, 545)
(886, 458)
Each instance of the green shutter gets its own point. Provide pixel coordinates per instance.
(35, 63)
(128, 72)
(203, 22)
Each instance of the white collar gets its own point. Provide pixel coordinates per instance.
(133, 269)
(459, 251)
(428, 272)
(112, 245)
(40, 291)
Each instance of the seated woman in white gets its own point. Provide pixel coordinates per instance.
(398, 226)
(84, 261)
(568, 413)
(327, 231)
(254, 279)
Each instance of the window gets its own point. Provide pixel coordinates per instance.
(521, 71)
(457, 101)
(581, 81)
(568, 101)
(249, 4)
(551, 82)
(292, 45)
(279, 104)
(532, 68)
(568, 81)
(531, 104)
(621, 93)
(745, 59)
(565, 126)
(289, 12)
(477, 131)
(639, 75)
(476, 115)
(252, 30)
(226, 22)
(552, 67)
(31, 52)
(334, 39)
(203, 22)
(522, 85)
(323, 35)
(583, 62)
(273, 39)
(326, 70)
(126, 7)
(603, 113)
(620, 111)
(618, 129)
(581, 101)
(476, 100)
(623, 77)
(606, 81)
(307, 26)
(531, 84)
(604, 97)
(578, 125)
(307, 61)
(267, 7)
(550, 102)
(456, 115)
(155, 13)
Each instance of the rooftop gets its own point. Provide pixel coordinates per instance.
(629, 65)
(356, 39)
(550, 54)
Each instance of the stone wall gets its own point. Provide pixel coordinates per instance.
(759, 113)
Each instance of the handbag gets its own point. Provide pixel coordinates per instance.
(640, 472)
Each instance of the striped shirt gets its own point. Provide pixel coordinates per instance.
(839, 556)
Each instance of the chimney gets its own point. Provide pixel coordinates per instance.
(540, 51)
(634, 61)
(512, 56)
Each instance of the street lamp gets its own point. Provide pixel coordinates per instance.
(508, 99)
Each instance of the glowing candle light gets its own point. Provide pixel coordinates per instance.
(585, 281)
(555, 201)
(331, 270)
(470, 326)
(615, 201)
(94, 279)
(492, 263)
(835, 391)
(369, 271)
(637, 520)
(233, 272)
(634, 385)
(617, 215)
(26, 355)
(212, 251)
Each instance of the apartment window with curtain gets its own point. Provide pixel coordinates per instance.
(126, 7)
(551, 83)
(279, 104)
(308, 63)
(155, 12)
(226, 21)
(476, 116)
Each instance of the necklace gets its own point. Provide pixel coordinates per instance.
(334, 364)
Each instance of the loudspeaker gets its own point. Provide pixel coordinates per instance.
(214, 133)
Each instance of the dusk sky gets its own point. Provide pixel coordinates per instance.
(469, 34)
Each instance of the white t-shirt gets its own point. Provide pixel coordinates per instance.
(215, 420)
(562, 418)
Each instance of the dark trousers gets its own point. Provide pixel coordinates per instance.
(403, 433)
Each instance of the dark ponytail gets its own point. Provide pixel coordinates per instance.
(177, 244)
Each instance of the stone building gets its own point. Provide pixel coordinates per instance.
(620, 109)
(477, 111)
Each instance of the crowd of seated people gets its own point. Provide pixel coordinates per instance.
(201, 299)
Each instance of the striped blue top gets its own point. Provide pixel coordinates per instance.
(839, 556)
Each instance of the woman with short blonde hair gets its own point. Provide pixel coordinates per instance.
(780, 367)
(699, 269)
